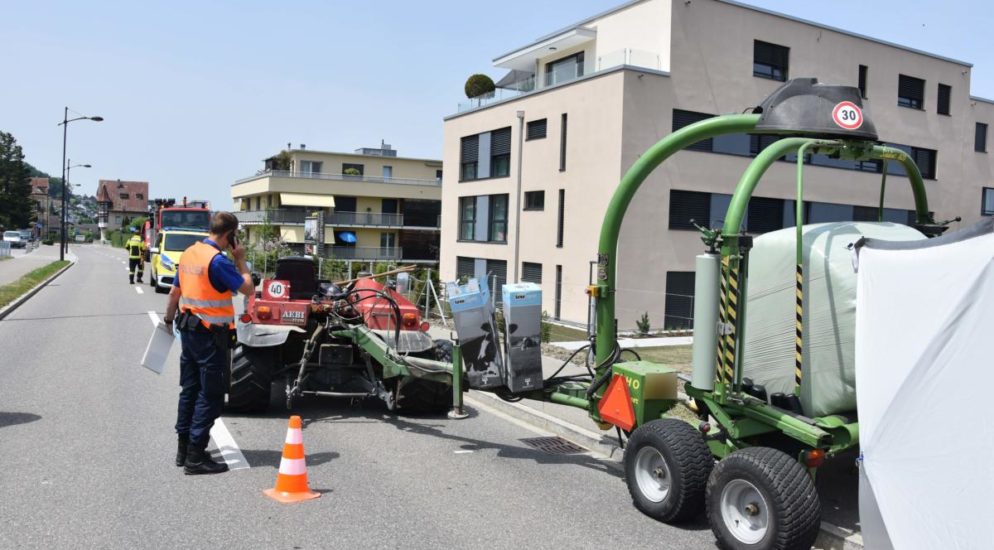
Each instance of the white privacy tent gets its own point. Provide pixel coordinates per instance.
(924, 376)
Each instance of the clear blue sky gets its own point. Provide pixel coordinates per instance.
(196, 94)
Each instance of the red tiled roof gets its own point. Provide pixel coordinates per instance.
(115, 190)
(39, 186)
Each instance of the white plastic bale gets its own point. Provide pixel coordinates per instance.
(705, 320)
(828, 373)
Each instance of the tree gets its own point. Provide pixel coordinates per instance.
(477, 85)
(16, 209)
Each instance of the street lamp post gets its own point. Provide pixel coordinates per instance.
(65, 185)
(65, 126)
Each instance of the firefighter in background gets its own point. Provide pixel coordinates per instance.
(136, 256)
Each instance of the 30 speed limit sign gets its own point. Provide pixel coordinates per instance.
(847, 115)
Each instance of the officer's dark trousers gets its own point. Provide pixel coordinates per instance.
(135, 263)
(203, 378)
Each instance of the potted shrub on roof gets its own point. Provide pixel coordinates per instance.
(479, 87)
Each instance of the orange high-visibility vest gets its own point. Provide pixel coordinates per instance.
(199, 296)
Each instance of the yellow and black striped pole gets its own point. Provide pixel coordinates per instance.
(722, 320)
(799, 329)
(731, 313)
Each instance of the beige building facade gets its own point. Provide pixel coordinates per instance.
(594, 96)
(375, 205)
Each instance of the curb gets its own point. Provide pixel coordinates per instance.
(830, 537)
(9, 308)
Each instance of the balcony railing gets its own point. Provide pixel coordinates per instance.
(629, 56)
(499, 94)
(275, 216)
(339, 177)
(377, 253)
(343, 219)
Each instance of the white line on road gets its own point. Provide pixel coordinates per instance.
(139, 290)
(226, 444)
(219, 433)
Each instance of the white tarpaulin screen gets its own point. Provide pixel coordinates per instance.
(924, 325)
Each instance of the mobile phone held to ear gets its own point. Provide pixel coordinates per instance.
(234, 239)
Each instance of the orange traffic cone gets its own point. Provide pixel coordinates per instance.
(291, 482)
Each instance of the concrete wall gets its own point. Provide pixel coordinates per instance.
(593, 156)
(269, 184)
(644, 27)
(372, 165)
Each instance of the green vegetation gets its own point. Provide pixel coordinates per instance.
(643, 324)
(679, 357)
(13, 291)
(16, 207)
(559, 333)
(478, 84)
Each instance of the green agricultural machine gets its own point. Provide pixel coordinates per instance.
(750, 463)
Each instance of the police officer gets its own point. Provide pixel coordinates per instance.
(202, 291)
(136, 257)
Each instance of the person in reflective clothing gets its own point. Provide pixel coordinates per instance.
(202, 293)
(136, 257)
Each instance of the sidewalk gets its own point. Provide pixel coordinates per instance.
(26, 262)
(636, 342)
(837, 482)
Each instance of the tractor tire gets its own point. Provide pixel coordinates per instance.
(424, 397)
(759, 498)
(251, 378)
(667, 464)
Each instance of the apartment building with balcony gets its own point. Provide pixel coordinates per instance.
(580, 105)
(376, 206)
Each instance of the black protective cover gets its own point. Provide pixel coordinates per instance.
(804, 106)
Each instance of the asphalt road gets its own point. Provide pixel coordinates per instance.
(86, 448)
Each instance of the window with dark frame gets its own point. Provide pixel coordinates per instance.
(465, 267)
(863, 69)
(910, 92)
(500, 153)
(469, 158)
(562, 144)
(535, 130)
(467, 218)
(942, 104)
(683, 118)
(349, 169)
(559, 292)
(980, 138)
(498, 219)
(689, 207)
(534, 200)
(497, 277)
(560, 222)
(926, 160)
(679, 311)
(987, 202)
(531, 272)
(770, 60)
(564, 70)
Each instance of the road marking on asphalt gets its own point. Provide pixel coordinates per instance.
(230, 452)
(139, 290)
(462, 452)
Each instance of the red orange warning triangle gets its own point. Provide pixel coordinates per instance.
(616, 404)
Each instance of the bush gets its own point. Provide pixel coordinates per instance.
(546, 328)
(478, 84)
(48, 242)
(643, 324)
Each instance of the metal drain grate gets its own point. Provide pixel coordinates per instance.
(553, 445)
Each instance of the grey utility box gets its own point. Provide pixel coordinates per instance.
(473, 316)
(523, 326)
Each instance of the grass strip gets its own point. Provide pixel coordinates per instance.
(13, 291)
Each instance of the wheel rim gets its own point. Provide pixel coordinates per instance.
(745, 511)
(652, 474)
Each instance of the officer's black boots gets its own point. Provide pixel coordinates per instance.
(131, 281)
(199, 461)
(181, 450)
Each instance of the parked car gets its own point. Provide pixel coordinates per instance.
(165, 255)
(27, 235)
(14, 238)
